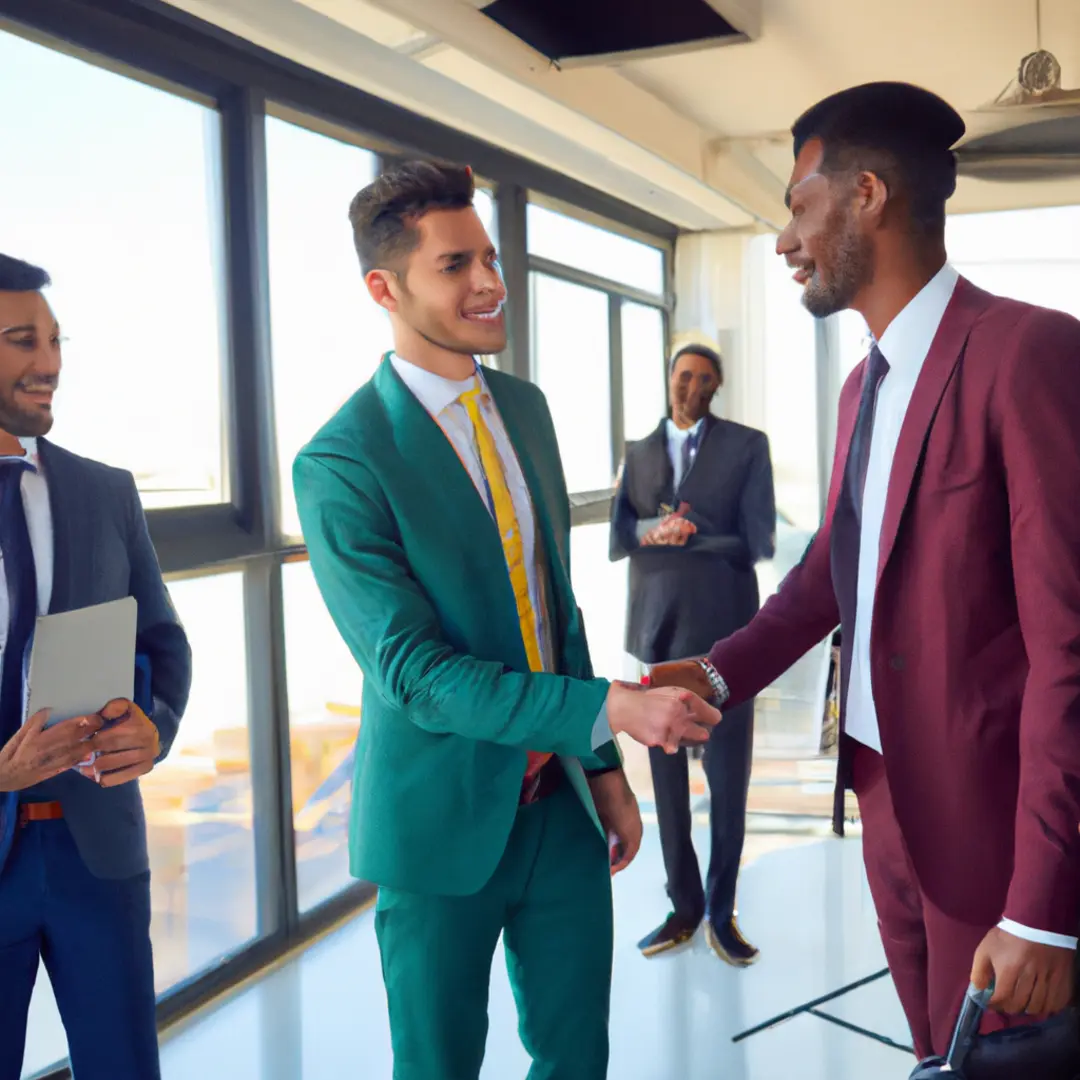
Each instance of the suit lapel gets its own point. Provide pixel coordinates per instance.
(966, 305)
(63, 506)
(660, 466)
(426, 452)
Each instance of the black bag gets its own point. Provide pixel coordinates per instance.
(1046, 1051)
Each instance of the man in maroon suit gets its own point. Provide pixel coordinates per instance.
(950, 556)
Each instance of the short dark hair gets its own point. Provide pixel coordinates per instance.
(385, 213)
(901, 133)
(699, 350)
(19, 276)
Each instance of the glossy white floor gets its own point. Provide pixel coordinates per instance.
(807, 907)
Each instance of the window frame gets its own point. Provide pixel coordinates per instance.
(162, 46)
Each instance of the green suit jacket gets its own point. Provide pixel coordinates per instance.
(411, 568)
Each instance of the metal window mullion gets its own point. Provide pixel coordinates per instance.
(827, 387)
(510, 204)
(271, 771)
(595, 281)
(615, 365)
(258, 506)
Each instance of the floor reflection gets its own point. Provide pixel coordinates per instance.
(803, 900)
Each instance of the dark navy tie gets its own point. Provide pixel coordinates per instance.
(20, 577)
(21, 580)
(847, 514)
(689, 452)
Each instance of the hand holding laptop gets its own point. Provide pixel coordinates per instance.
(37, 752)
(125, 748)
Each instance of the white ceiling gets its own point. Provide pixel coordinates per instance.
(700, 138)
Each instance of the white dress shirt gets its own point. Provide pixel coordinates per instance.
(439, 396)
(905, 345)
(676, 441)
(35, 495)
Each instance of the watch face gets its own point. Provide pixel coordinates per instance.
(1039, 72)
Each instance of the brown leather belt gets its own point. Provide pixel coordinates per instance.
(546, 782)
(39, 811)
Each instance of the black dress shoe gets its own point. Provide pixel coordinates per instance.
(727, 942)
(675, 931)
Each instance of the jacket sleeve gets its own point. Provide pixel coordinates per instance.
(1037, 412)
(624, 520)
(389, 624)
(757, 507)
(159, 636)
(803, 611)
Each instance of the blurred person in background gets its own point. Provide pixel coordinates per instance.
(74, 869)
(694, 511)
(489, 797)
(948, 556)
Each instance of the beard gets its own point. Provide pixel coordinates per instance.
(21, 422)
(849, 257)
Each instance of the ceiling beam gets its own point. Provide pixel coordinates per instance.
(674, 144)
(591, 154)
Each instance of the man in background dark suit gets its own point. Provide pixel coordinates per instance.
(74, 871)
(694, 512)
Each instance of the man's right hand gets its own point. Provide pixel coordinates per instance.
(687, 674)
(34, 753)
(668, 717)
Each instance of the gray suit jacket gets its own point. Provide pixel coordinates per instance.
(683, 600)
(102, 551)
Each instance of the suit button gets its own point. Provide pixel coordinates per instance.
(896, 662)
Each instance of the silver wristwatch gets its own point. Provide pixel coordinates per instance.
(720, 688)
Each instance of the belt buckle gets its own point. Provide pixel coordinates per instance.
(22, 817)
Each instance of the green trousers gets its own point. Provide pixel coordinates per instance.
(551, 898)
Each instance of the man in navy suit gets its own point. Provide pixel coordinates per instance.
(74, 870)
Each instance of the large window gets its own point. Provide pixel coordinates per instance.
(599, 341)
(113, 186)
(325, 686)
(790, 384)
(572, 365)
(199, 800)
(644, 372)
(328, 336)
(584, 246)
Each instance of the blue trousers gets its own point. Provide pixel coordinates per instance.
(94, 938)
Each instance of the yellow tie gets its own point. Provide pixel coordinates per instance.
(510, 532)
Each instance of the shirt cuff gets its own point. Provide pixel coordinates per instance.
(645, 526)
(601, 732)
(1040, 937)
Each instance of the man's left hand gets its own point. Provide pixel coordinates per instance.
(1028, 977)
(127, 749)
(617, 808)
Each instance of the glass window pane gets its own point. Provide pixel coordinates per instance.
(327, 335)
(571, 364)
(114, 190)
(789, 360)
(1018, 253)
(325, 685)
(600, 589)
(567, 240)
(643, 368)
(484, 202)
(198, 800)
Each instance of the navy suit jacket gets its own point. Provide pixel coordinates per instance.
(102, 551)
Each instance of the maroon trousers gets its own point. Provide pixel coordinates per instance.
(929, 953)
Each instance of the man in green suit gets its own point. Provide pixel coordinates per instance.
(489, 796)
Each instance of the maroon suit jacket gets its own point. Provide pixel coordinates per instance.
(975, 647)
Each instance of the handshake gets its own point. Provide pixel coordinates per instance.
(674, 712)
